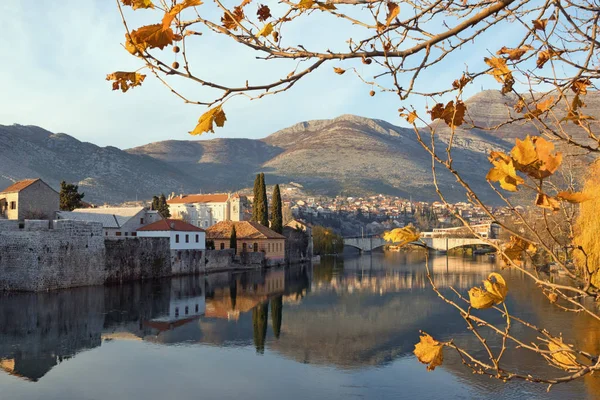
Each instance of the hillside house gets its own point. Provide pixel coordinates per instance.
(204, 210)
(251, 237)
(117, 222)
(29, 199)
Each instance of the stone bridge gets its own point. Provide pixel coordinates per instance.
(440, 244)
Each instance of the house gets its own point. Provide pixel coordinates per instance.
(183, 236)
(29, 199)
(117, 222)
(251, 237)
(204, 210)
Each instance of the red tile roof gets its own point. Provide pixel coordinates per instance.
(199, 198)
(18, 186)
(243, 230)
(171, 225)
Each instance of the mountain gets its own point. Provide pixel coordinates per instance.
(348, 154)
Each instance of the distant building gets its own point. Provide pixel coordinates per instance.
(251, 237)
(29, 199)
(183, 236)
(117, 222)
(205, 210)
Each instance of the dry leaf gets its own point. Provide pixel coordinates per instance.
(544, 201)
(231, 20)
(125, 80)
(206, 121)
(402, 236)
(453, 115)
(135, 4)
(339, 71)
(495, 292)
(514, 250)
(263, 13)
(429, 351)
(266, 30)
(393, 11)
(501, 72)
(540, 24)
(153, 36)
(562, 357)
(574, 197)
(170, 16)
(514, 54)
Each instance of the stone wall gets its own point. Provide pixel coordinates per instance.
(140, 258)
(51, 255)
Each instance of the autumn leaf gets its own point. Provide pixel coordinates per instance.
(540, 108)
(135, 4)
(549, 162)
(263, 13)
(230, 22)
(519, 105)
(540, 24)
(266, 30)
(504, 172)
(553, 297)
(125, 80)
(411, 117)
(461, 83)
(538, 166)
(580, 86)
(495, 292)
(545, 55)
(561, 356)
(524, 152)
(501, 72)
(402, 236)
(573, 197)
(429, 351)
(513, 251)
(153, 36)
(170, 16)
(306, 4)
(574, 115)
(453, 115)
(339, 71)
(544, 201)
(514, 54)
(326, 6)
(206, 121)
(393, 11)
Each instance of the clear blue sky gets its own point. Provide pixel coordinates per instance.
(56, 55)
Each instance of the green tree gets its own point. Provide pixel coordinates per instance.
(233, 240)
(326, 241)
(276, 315)
(276, 211)
(260, 315)
(155, 203)
(70, 198)
(256, 199)
(264, 206)
(163, 207)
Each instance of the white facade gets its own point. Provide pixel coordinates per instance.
(117, 222)
(205, 211)
(180, 240)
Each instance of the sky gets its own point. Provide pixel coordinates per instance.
(56, 55)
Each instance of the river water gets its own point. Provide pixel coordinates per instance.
(343, 329)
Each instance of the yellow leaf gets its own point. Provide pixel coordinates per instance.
(580, 86)
(266, 30)
(544, 201)
(553, 297)
(326, 6)
(135, 4)
(501, 72)
(562, 357)
(550, 162)
(574, 197)
(514, 54)
(152, 36)
(504, 172)
(524, 152)
(411, 117)
(402, 236)
(339, 71)
(540, 24)
(206, 121)
(495, 293)
(514, 250)
(540, 108)
(429, 351)
(170, 16)
(306, 4)
(125, 80)
(545, 55)
(230, 22)
(393, 11)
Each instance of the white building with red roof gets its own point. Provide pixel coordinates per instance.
(183, 236)
(205, 210)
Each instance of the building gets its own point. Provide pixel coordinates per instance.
(295, 249)
(117, 222)
(251, 237)
(204, 210)
(183, 236)
(29, 199)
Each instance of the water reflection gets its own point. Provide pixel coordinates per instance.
(350, 314)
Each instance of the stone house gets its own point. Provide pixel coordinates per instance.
(204, 210)
(29, 199)
(117, 222)
(251, 237)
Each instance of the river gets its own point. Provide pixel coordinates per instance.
(342, 329)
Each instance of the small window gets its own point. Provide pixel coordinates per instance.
(13, 205)
(244, 247)
(187, 238)
(106, 233)
(133, 233)
(141, 221)
(176, 238)
(196, 307)
(177, 311)
(118, 233)
(187, 310)
(255, 247)
(197, 238)
(126, 233)
(222, 246)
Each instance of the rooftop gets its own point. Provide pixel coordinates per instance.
(243, 230)
(20, 185)
(199, 198)
(171, 225)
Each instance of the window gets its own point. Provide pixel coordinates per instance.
(176, 311)
(13, 205)
(255, 247)
(243, 246)
(269, 247)
(197, 238)
(222, 246)
(187, 238)
(126, 233)
(176, 238)
(141, 221)
(118, 233)
(106, 233)
(196, 307)
(133, 233)
(187, 310)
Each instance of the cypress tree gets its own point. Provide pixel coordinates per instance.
(256, 201)
(155, 203)
(264, 207)
(260, 314)
(276, 211)
(276, 313)
(233, 240)
(163, 207)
